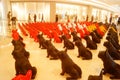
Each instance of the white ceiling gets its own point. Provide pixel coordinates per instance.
(112, 5)
(111, 2)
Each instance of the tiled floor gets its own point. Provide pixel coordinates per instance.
(46, 69)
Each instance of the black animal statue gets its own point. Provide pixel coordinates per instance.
(18, 44)
(95, 77)
(114, 42)
(83, 51)
(110, 66)
(75, 36)
(22, 64)
(113, 33)
(67, 43)
(114, 53)
(69, 67)
(52, 52)
(94, 37)
(97, 34)
(20, 41)
(41, 41)
(90, 44)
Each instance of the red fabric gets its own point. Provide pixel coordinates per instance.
(22, 30)
(56, 37)
(72, 29)
(98, 30)
(86, 31)
(80, 31)
(15, 34)
(24, 77)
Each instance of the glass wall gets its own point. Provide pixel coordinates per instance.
(105, 15)
(95, 14)
(84, 13)
(64, 11)
(70, 12)
(101, 15)
(22, 9)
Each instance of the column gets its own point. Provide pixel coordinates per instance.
(52, 11)
(5, 8)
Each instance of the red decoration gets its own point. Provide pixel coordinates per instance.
(24, 77)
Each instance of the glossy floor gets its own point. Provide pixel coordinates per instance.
(46, 69)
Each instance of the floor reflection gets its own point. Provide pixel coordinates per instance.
(5, 29)
(5, 34)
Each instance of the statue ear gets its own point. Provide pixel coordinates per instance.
(41, 34)
(50, 39)
(66, 50)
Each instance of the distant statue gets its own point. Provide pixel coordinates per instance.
(42, 19)
(75, 19)
(9, 17)
(56, 18)
(87, 18)
(35, 17)
(110, 20)
(29, 18)
(92, 18)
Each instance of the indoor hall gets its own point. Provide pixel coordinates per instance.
(47, 10)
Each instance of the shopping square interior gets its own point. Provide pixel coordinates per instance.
(53, 16)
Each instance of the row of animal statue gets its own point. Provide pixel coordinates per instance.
(21, 56)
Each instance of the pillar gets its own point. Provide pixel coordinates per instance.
(5, 8)
(52, 11)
